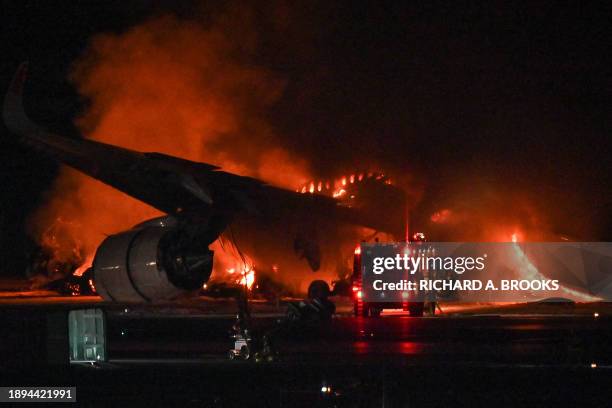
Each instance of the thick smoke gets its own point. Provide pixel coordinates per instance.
(194, 90)
(172, 86)
(471, 210)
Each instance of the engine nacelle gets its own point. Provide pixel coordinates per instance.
(149, 264)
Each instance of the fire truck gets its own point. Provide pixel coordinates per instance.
(373, 309)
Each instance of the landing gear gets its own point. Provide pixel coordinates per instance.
(267, 353)
(241, 333)
(241, 354)
(242, 341)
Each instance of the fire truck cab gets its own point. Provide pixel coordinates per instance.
(371, 309)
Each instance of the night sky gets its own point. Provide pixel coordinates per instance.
(516, 97)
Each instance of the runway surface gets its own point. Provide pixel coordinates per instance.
(557, 355)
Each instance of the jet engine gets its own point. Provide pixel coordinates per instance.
(151, 263)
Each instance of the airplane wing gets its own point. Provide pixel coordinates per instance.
(175, 185)
(137, 174)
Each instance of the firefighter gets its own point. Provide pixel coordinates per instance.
(429, 298)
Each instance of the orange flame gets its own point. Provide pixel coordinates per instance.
(175, 87)
(248, 277)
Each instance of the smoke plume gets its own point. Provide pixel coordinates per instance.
(173, 86)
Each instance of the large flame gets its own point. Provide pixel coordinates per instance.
(175, 87)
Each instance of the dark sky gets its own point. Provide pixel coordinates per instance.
(510, 95)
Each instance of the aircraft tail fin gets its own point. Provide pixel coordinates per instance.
(13, 114)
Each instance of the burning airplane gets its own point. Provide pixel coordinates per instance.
(162, 258)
